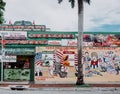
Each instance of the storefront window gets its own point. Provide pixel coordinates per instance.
(22, 63)
(19, 70)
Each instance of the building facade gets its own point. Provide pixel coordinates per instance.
(30, 53)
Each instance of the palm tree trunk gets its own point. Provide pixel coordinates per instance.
(80, 80)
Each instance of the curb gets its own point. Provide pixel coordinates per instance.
(73, 85)
(89, 89)
(104, 85)
(62, 85)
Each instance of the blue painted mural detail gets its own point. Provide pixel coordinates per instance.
(102, 61)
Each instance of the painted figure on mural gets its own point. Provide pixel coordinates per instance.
(66, 64)
(45, 60)
(38, 70)
(103, 67)
(86, 61)
(51, 67)
(57, 63)
(102, 64)
(116, 68)
(38, 64)
(94, 60)
(110, 62)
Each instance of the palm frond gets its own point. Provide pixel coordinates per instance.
(1, 20)
(59, 1)
(72, 3)
(2, 5)
(2, 8)
(87, 1)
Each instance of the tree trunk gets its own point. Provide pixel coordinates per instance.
(80, 80)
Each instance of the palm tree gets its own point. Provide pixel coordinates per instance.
(80, 80)
(2, 8)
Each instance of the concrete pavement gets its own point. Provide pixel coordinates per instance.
(92, 90)
(38, 85)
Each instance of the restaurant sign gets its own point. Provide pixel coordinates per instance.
(70, 42)
(14, 34)
(54, 42)
(25, 41)
(51, 35)
(8, 58)
(19, 51)
(23, 28)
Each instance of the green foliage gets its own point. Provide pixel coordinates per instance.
(59, 1)
(87, 1)
(73, 2)
(2, 8)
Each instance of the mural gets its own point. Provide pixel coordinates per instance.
(105, 40)
(59, 64)
(102, 62)
(55, 62)
(101, 57)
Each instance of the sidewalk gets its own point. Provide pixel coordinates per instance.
(76, 89)
(62, 85)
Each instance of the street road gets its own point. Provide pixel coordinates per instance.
(63, 91)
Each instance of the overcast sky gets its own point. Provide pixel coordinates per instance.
(101, 15)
